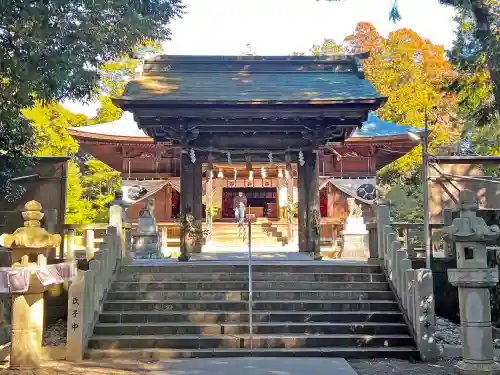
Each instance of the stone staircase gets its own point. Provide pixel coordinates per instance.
(299, 309)
(265, 234)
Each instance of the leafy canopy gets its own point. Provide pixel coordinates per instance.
(51, 50)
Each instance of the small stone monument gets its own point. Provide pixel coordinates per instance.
(146, 241)
(355, 233)
(473, 278)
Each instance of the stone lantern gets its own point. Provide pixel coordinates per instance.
(473, 278)
(27, 280)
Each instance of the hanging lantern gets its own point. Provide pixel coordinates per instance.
(263, 172)
(220, 175)
(235, 173)
(280, 173)
(250, 175)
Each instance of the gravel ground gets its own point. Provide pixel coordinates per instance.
(55, 335)
(451, 334)
(394, 366)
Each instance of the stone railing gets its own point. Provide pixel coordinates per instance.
(88, 289)
(92, 239)
(412, 287)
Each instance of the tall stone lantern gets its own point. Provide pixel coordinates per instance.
(473, 278)
(27, 280)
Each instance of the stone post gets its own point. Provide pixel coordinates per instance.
(383, 219)
(50, 225)
(472, 277)
(88, 240)
(28, 306)
(116, 220)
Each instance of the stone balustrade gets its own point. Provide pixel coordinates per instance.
(412, 287)
(88, 289)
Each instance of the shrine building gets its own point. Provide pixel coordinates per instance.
(199, 129)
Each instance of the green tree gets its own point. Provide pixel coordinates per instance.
(50, 123)
(51, 50)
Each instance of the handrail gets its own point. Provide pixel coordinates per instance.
(250, 282)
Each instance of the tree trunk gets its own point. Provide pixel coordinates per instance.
(482, 17)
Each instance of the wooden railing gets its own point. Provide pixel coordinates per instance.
(412, 287)
(88, 289)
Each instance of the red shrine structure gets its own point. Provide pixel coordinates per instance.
(277, 128)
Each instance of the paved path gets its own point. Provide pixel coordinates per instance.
(259, 366)
(276, 256)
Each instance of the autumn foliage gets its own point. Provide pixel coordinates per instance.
(412, 72)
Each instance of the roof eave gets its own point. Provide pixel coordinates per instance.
(85, 136)
(126, 102)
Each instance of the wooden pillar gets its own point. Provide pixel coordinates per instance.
(330, 200)
(186, 184)
(168, 202)
(186, 198)
(303, 207)
(313, 212)
(289, 193)
(197, 192)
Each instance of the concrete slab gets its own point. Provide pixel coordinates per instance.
(258, 366)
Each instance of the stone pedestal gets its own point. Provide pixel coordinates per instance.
(355, 246)
(146, 245)
(146, 242)
(472, 277)
(355, 236)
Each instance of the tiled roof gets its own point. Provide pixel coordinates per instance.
(236, 78)
(127, 127)
(375, 127)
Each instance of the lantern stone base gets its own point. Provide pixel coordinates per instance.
(463, 368)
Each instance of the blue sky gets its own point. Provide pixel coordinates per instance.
(280, 27)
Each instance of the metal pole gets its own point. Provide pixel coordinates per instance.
(425, 164)
(250, 294)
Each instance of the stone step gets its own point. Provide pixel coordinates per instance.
(151, 354)
(230, 286)
(243, 341)
(270, 295)
(310, 328)
(256, 276)
(337, 305)
(242, 317)
(270, 267)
